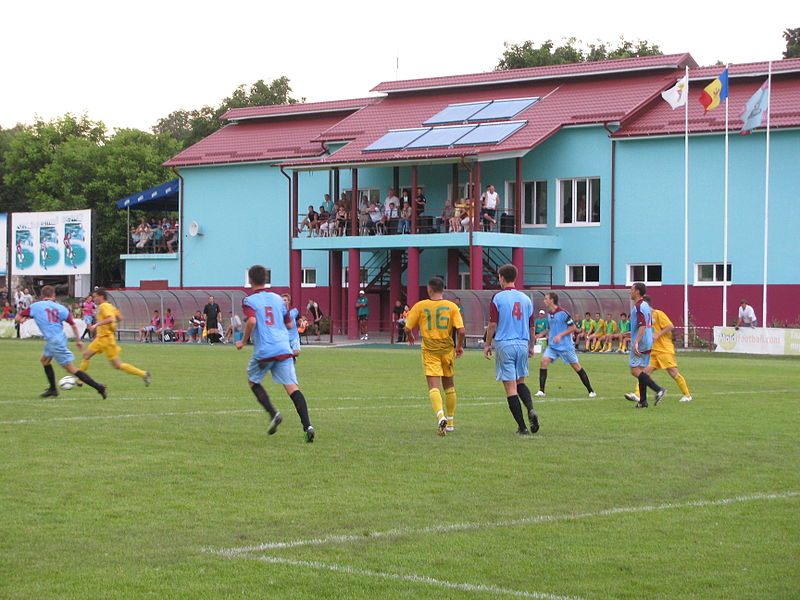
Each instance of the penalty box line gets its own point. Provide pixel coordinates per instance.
(437, 529)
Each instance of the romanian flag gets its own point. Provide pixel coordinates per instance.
(715, 92)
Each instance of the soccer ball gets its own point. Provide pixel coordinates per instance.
(67, 382)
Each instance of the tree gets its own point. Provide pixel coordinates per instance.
(792, 37)
(190, 126)
(519, 56)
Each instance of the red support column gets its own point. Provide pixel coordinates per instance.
(453, 280)
(518, 260)
(395, 276)
(354, 205)
(476, 202)
(295, 275)
(412, 277)
(413, 198)
(454, 191)
(335, 281)
(476, 268)
(518, 200)
(353, 286)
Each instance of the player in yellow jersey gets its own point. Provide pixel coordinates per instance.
(662, 355)
(596, 338)
(612, 333)
(437, 318)
(104, 343)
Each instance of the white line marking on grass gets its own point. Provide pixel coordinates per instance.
(422, 579)
(392, 533)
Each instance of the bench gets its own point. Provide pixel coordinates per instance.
(121, 330)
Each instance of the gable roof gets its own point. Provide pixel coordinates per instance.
(300, 108)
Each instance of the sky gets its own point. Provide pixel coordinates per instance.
(129, 64)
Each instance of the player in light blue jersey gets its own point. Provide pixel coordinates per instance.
(268, 321)
(641, 344)
(294, 335)
(50, 317)
(560, 328)
(510, 324)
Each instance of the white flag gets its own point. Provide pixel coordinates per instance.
(677, 94)
(756, 108)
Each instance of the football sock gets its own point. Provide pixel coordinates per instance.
(302, 408)
(648, 381)
(525, 395)
(51, 376)
(85, 378)
(450, 400)
(542, 378)
(84, 365)
(263, 399)
(132, 370)
(516, 409)
(642, 388)
(682, 384)
(436, 402)
(585, 380)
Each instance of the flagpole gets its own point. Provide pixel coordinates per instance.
(686, 215)
(766, 199)
(725, 218)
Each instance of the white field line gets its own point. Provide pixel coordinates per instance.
(436, 529)
(465, 403)
(420, 579)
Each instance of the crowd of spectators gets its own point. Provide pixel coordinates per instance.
(155, 235)
(394, 215)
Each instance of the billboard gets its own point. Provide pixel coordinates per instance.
(3, 243)
(52, 243)
(757, 340)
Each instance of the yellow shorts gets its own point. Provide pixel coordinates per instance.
(662, 360)
(105, 345)
(438, 365)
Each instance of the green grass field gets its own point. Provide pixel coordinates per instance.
(176, 491)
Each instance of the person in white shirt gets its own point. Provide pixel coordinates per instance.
(747, 316)
(391, 198)
(490, 199)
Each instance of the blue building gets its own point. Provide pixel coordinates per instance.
(587, 161)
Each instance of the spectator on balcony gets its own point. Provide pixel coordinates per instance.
(196, 326)
(420, 202)
(405, 218)
(146, 332)
(328, 203)
(391, 198)
(342, 218)
(390, 217)
(309, 222)
(487, 220)
(344, 201)
(489, 201)
(447, 215)
(145, 233)
(322, 220)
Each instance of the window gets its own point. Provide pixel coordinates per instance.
(649, 274)
(534, 202)
(583, 275)
(463, 192)
(309, 278)
(712, 274)
(374, 194)
(579, 201)
(247, 280)
(364, 276)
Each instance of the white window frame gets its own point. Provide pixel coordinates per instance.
(715, 282)
(569, 283)
(629, 274)
(536, 183)
(304, 272)
(462, 191)
(575, 222)
(463, 278)
(247, 278)
(373, 193)
(364, 276)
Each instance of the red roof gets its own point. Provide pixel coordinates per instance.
(251, 141)
(743, 80)
(284, 110)
(623, 65)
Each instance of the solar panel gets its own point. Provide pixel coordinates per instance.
(490, 133)
(396, 140)
(456, 113)
(441, 136)
(503, 109)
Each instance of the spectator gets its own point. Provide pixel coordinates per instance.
(145, 233)
(8, 310)
(211, 312)
(345, 202)
(315, 314)
(405, 218)
(447, 215)
(327, 203)
(390, 217)
(147, 330)
(401, 324)
(374, 224)
(196, 326)
(309, 222)
(489, 201)
(341, 220)
(168, 332)
(328, 221)
(234, 327)
(391, 198)
(362, 309)
(397, 312)
(747, 316)
(24, 302)
(419, 202)
(88, 309)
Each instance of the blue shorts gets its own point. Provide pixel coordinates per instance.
(568, 355)
(511, 359)
(638, 360)
(58, 351)
(150, 328)
(282, 371)
(88, 319)
(294, 344)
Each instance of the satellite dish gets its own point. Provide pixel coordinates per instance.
(194, 229)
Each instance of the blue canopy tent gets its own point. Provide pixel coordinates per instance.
(164, 197)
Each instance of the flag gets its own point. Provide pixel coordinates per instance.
(715, 92)
(755, 109)
(676, 95)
